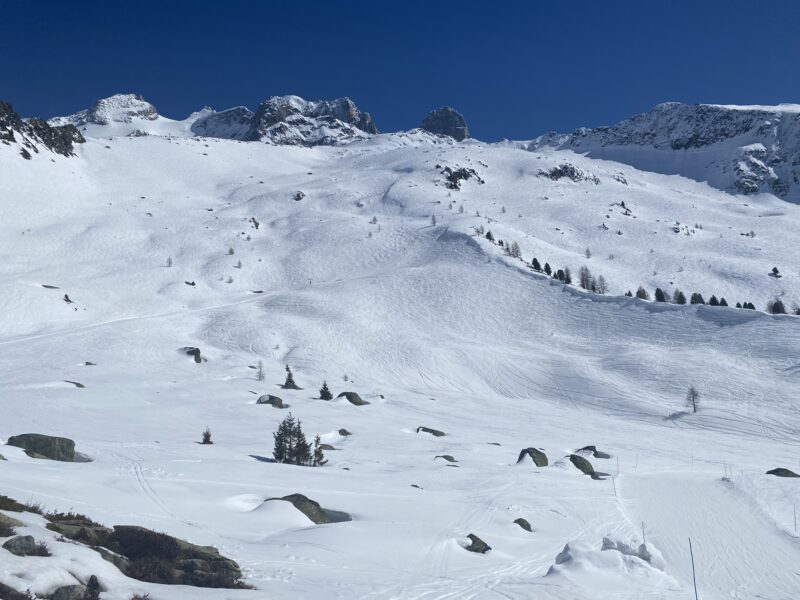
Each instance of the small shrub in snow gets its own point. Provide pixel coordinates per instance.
(692, 398)
(206, 437)
(324, 392)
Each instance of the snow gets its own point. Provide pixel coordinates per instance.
(434, 327)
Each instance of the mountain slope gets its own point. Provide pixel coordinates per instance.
(434, 326)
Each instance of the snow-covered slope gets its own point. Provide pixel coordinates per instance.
(745, 149)
(352, 282)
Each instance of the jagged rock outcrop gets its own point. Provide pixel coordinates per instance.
(741, 149)
(446, 121)
(119, 108)
(233, 124)
(33, 134)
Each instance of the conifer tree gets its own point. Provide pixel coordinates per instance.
(697, 299)
(642, 293)
(776, 307)
(324, 392)
(318, 458)
(629, 294)
(723, 302)
(713, 301)
(678, 297)
(206, 437)
(489, 235)
(660, 295)
(535, 265)
(547, 269)
(738, 305)
(567, 275)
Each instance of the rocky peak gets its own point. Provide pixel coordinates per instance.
(119, 108)
(33, 134)
(293, 120)
(446, 121)
(744, 149)
(234, 124)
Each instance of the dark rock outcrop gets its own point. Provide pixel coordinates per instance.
(446, 121)
(159, 558)
(21, 545)
(434, 432)
(569, 171)
(194, 353)
(233, 124)
(477, 545)
(353, 398)
(454, 177)
(273, 401)
(35, 133)
(538, 457)
(594, 452)
(782, 472)
(524, 524)
(344, 433)
(449, 458)
(586, 467)
(37, 445)
(313, 510)
(70, 592)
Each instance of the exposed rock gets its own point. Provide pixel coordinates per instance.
(37, 445)
(569, 171)
(524, 524)
(290, 120)
(344, 432)
(594, 452)
(194, 353)
(81, 530)
(477, 544)
(70, 592)
(538, 457)
(233, 124)
(446, 457)
(435, 432)
(8, 593)
(273, 401)
(119, 108)
(160, 558)
(781, 472)
(326, 447)
(564, 556)
(446, 121)
(10, 504)
(454, 177)
(313, 510)
(586, 467)
(22, 545)
(353, 398)
(6, 521)
(33, 133)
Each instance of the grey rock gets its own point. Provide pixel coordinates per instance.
(594, 452)
(6, 521)
(70, 592)
(313, 510)
(477, 545)
(344, 432)
(353, 398)
(538, 457)
(524, 524)
(446, 457)
(586, 467)
(434, 432)
(21, 545)
(273, 401)
(446, 121)
(564, 556)
(194, 353)
(35, 133)
(233, 124)
(782, 472)
(37, 445)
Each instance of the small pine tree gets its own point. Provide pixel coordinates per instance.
(260, 371)
(776, 307)
(738, 305)
(713, 301)
(238, 264)
(300, 451)
(678, 297)
(749, 306)
(723, 302)
(547, 269)
(642, 293)
(489, 235)
(692, 398)
(560, 275)
(567, 276)
(230, 251)
(324, 392)
(318, 458)
(660, 295)
(461, 209)
(206, 437)
(289, 383)
(283, 440)
(775, 272)
(535, 265)
(169, 261)
(587, 253)
(433, 220)
(629, 294)
(697, 299)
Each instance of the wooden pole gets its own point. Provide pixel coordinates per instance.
(694, 577)
(644, 539)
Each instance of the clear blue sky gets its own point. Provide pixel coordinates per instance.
(515, 69)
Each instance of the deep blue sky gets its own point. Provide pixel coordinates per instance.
(515, 69)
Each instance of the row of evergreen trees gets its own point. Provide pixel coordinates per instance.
(776, 307)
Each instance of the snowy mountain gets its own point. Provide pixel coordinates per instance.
(34, 134)
(513, 435)
(745, 149)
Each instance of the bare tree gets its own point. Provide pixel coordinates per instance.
(692, 398)
(260, 371)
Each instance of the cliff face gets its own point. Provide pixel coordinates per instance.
(35, 134)
(744, 149)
